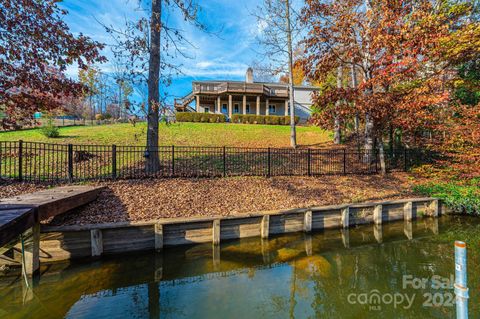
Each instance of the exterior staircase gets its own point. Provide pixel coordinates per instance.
(183, 103)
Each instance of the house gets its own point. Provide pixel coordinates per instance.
(246, 97)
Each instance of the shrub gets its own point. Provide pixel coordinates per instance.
(99, 117)
(461, 198)
(260, 119)
(50, 130)
(200, 117)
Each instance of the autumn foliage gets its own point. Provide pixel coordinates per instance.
(36, 47)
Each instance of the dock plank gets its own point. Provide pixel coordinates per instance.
(19, 213)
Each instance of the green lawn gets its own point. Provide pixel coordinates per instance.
(188, 134)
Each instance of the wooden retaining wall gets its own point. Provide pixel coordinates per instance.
(69, 242)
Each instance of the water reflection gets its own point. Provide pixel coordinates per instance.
(294, 276)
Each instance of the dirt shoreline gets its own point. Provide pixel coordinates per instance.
(143, 200)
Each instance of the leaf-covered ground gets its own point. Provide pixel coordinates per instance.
(137, 200)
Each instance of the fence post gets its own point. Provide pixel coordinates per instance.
(344, 161)
(173, 160)
(224, 162)
(309, 163)
(114, 161)
(70, 163)
(268, 163)
(20, 160)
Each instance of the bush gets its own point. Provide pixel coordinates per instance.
(99, 117)
(236, 118)
(50, 130)
(461, 198)
(200, 117)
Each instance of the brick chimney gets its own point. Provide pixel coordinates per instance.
(249, 76)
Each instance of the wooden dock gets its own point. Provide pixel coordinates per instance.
(21, 214)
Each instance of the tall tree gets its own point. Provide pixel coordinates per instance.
(89, 77)
(150, 48)
(36, 46)
(278, 37)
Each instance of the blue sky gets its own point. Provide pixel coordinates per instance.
(223, 53)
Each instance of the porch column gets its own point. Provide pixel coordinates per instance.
(244, 104)
(286, 107)
(267, 109)
(230, 106)
(219, 105)
(197, 103)
(258, 105)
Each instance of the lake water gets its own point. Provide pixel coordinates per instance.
(399, 271)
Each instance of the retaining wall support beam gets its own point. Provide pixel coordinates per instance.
(346, 217)
(408, 211)
(435, 207)
(216, 232)
(31, 253)
(96, 239)
(377, 214)
(158, 237)
(307, 221)
(265, 226)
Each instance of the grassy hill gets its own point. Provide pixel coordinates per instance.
(187, 134)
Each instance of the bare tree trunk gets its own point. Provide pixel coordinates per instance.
(337, 138)
(151, 154)
(293, 132)
(369, 124)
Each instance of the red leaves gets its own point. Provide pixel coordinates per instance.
(36, 46)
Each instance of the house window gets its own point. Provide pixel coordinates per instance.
(272, 109)
(235, 108)
(207, 109)
(224, 108)
(248, 108)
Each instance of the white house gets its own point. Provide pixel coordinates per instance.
(245, 97)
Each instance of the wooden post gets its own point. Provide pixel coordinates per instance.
(435, 207)
(307, 221)
(408, 211)
(197, 103)
(96, 242)
(377, 214)
(346, 217)
(216, 232)
(224, 161)
(158, 236)
(265, 226)
(219, 105)
(378, 232)
(216, 256)
(32, 250)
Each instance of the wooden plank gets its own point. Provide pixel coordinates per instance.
(14, 221)
(32, 250)
(265, 227)
(346, 217)
(377, 214)
(158, 236)
(307, 223)
(408, 211)
(55, 201)
(97, 242)
(216, 231)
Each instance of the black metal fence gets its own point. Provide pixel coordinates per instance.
(32, 161)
